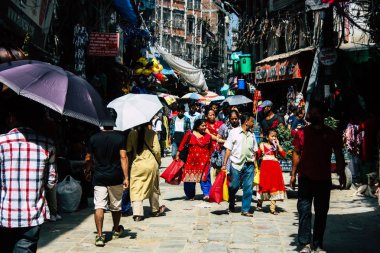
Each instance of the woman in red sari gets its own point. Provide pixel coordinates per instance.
(212, 128)
(271, 186)
(198, 160)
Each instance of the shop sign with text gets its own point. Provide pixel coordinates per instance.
(280, 70)
(103, 44)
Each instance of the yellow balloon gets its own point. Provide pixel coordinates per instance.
(138, 71)
(155, 62)
(147, 72)
(143, 61)
(160, 67)
(155, 70)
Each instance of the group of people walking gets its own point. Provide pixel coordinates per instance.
(214, 140)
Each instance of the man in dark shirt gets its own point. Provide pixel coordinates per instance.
(269, 119)
(313, 147)
(106, 153)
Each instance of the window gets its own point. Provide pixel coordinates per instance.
(190, 25)
(178, 20)
(197, 4)
(194, 4)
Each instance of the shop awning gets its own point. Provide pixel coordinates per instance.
(188, 72)
(357, 53)
(287, 66)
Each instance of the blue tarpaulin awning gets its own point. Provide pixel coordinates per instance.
(127, 11)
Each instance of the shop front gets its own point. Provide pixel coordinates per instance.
(276, 75)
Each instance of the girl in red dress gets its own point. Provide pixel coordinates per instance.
(271, 185)
(198, 160)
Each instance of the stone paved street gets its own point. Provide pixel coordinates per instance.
(197, 226)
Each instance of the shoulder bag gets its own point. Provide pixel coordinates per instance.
(185, 152)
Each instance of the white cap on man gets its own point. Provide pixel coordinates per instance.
(266, 103)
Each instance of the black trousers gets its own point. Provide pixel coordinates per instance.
(19, 240)
(310, 191)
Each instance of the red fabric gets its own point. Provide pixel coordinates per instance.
(369, 126)
(315, 147)
(198, 159)
(332, 1)
(268, 151)
(214, 129)
(173, 172)
(271, 179)
(216, 191)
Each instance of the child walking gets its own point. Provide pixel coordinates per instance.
(271, 185)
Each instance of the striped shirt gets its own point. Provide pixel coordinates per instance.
(27, 166)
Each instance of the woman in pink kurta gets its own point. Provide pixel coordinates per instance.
(198, 159)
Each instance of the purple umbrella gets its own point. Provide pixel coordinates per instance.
(57, 89)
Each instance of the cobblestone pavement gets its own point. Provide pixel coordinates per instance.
(196, 226)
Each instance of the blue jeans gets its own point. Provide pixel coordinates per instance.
(174, 149)
(189, 187)
(310, 191)
(246, 174)
(19, 240)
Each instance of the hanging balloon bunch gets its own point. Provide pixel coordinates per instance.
(151, 67)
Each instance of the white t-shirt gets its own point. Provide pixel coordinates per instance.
(179, 125)
(157, 125)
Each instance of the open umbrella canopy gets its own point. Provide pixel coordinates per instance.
(134, 109)
(208, 96)
(237, 100)
(192, 95)
(56, 88)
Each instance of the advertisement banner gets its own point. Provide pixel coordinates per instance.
(277, 71)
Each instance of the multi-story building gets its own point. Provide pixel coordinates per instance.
(191, 29)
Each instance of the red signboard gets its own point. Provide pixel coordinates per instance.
(277, 71)
(103, 44)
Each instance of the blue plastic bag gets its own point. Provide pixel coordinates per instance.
(125, 202)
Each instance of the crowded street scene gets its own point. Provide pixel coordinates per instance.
(189, 126)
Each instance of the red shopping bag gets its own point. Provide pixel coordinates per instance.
(216, 191)
(173, 173)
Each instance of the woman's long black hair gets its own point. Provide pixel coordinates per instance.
(141, 137)
(197, 123)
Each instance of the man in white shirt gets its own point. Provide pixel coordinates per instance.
(192, 114)
(241, 147)
(179, 125)
(159, 128)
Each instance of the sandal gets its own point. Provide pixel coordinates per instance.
(138, 218)
(206, 198)
(274, 213)
(160, 211)
(306, 249)
(320, 250)
(247, 214)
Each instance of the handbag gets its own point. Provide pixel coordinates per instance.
(216, 191)
(185, 151)
(173, 173)
(256, 178)
(226, 184)
(217, 159)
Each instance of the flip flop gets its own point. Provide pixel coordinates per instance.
(306, 249)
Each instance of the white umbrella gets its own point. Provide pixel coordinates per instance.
(237, 100)
(192, 95)
(218, 98)
(134, 109)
